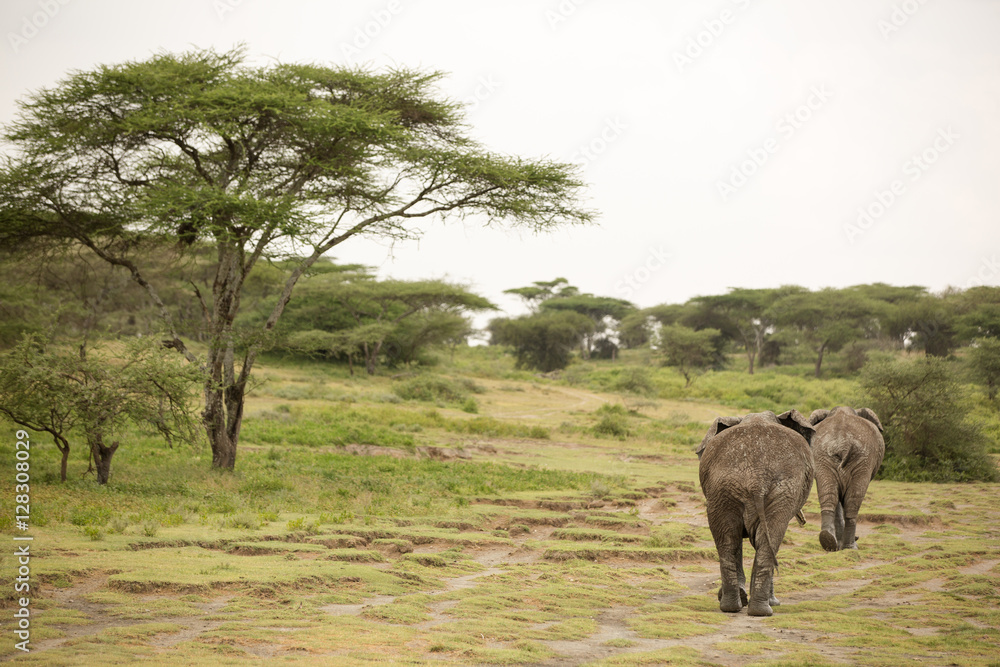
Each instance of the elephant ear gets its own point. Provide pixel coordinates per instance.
(870, 415)
(794, 420)
(718, 426)
(818, 415)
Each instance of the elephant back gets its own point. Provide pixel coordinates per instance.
(743, 450)
(845, 436)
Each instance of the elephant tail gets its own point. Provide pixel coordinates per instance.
(758, 501)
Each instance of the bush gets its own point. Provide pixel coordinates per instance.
(635, 380)
(928, 433)
(434, 390)
(613, 422)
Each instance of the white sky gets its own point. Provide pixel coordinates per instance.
(841, 98)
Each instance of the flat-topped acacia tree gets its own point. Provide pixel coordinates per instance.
(256, 161)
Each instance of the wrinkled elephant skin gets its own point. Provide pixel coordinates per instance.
(756, 473)
(847, 452)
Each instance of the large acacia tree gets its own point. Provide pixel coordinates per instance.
(255, 161)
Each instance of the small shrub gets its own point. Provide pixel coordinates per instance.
(635, 380)
(118, 525)
(150, 529)
(470, 406)
(90, 516)
(94, 533)
(539, 433)
(928, 433)
(243, 520)
(613, 422)
(612, 426)
(432, 390)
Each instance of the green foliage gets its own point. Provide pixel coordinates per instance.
(542, 341)
(924, 410)
(336, 426)
(345, 312)
(829, 318)
(612, 426)
(635, 380)
(101, 391)
(690, 351)
(204, 149)
(435, 389)
(984, 364)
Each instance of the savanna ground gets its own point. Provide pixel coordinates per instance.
(499, 518)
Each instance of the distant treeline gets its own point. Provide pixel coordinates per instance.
(783, 325)
(343, 312)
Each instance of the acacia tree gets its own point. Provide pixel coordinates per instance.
(366, 313)
(746, 315)
(57, 391)
(829, 318)
(606, 313)
(254, 161)
(544, 340)
(690, 351)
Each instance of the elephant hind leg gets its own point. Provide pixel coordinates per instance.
(762, 577)
(853, 498)
(729, 544)
(828, 533)
(840, 523)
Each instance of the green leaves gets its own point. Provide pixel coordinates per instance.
(197, 136)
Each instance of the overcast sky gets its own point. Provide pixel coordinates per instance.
(733, 143)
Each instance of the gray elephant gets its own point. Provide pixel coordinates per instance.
(847, 451)
(756, 473)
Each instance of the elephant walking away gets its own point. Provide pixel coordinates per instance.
(756, 473)
(847, 450)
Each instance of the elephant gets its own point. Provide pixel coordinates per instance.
(847, 451)
(756, 473)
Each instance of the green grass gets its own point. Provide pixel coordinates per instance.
(553, 529)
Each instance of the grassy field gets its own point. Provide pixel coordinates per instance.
(474, 514)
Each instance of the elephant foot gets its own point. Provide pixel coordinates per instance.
(828, 540)
(774, 602)
(759, 609)
(733, 601)
(852, 545)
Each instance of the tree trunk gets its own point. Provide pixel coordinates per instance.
(64, 450)
(223, 415)
(371, 357)
(223, 419)
(819, 359)
(102, 456)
